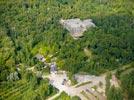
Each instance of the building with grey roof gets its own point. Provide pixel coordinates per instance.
(76, 27)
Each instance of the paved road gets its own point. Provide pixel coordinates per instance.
(56, 81)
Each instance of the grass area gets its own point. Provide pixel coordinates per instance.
(13, 90)
(54, 93)
(85, 94)
(26, 90)
(64, 96)
(46, 71)
(18, 94)
(88, 82)
(8, 89)
(71, 78)
(88, 52)
(125, 69)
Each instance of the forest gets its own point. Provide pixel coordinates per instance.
(28, 27)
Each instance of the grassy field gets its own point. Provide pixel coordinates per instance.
(13, 92)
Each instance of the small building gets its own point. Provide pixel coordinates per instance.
(53, 68)
(40, 57)
(76, 27)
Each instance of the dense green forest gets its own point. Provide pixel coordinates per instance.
(32, 27)
(28, 27)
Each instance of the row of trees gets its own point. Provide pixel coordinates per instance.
(40, 88)
(29, 86)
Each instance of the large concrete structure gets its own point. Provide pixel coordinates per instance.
(76, 27)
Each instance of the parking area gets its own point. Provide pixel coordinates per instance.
(59, 81)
